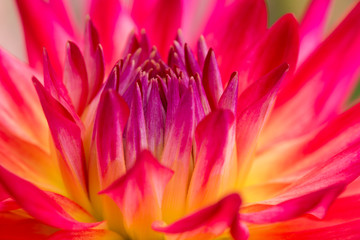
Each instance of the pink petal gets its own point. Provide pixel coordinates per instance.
(214, 137)
(139, 194)
(314, 192)
(135, 134)
(111, 118)
(177, 156)
(207, 223)
(229, 97)
(192, 65)
(212, 79)
(39, 205)
(151, 16)
(155, 120)
(279, 45)
(254, 106)
(52, 31)
(245, 21)
(312, 27)
(112, 23)
(321, 73)
(20, 110)
(94, 59)
(75, 77)
(67, 139)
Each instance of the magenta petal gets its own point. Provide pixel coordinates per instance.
(75, 77)
(192, 65)
(67, 139)
(111, 118)
(208, 222)
(38, 204)
(233, 30)
(135, 134)
(229, 97)
(212, 79)
(94, 59)
(312, 27)
(139, 193)
(52, 31)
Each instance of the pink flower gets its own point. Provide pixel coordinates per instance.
(247, 138)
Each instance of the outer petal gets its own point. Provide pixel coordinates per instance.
(279, 45)
(20, 110)
(312, 193)
(112, 23)
(68, 143)
(245, 21)
(312, 27)
(39, 204)
(52, 31)
(254, 106)
(212, 175)
(207, 223)
(297, 106)
(139, 195)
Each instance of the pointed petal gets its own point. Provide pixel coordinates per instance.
(212, 79)
(214, 137)
(245, 21)
(202, 50)
(52, 31)
(20, 110)
(111, 118)
(255, 104)
(155, 120)
(75, 77)
(192, 65)
(207, 223)
(67, 140)
(312, 27)
(177, 156)
(321, 71)
(112, 23)
(279, 45)
(139, 194)
(39, 205)
(94, 59)
(136, 130)
(229, 97)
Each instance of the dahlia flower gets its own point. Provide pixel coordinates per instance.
(225, 129)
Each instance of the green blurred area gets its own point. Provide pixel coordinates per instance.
(339, 8)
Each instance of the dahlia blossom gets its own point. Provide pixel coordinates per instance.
(225, 129)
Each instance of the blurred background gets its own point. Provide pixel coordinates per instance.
(11, 37)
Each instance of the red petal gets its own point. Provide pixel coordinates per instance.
(92, 234)
(39, 205)
(139, 195)
(207, 223)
